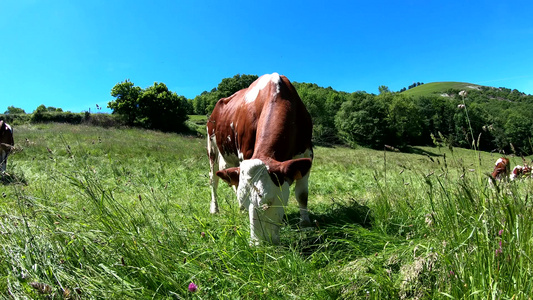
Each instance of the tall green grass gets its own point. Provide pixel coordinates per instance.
(92, 213)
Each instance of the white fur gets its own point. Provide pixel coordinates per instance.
(517, 171)
(256, 191)
(222, 162)
(265, 201)
(251, 95)
(300, 188)
(212, 149)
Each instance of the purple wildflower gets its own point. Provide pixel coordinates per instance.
(500, 232)
(192, 287)
(499, 250)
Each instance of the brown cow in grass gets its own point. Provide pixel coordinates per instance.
(6, 144)
(259, 141)
(501, 169)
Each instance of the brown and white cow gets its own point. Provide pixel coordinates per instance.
(520, 172)
(501, 169)
(6, 144)
(259, 141)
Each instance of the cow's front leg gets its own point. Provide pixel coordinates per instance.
(301, 190)
(214, 185)
(213, 178)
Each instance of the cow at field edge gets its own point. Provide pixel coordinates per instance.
(259, 141)
(6, 144)
(501, 169)
(520, 172)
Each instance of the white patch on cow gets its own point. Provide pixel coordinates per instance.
(300, 188)
(517, 171)
(220, 163)
(212, 151)
(231, 126)
(229, 138)
(265, 201)
(500, 160)
(261, 83)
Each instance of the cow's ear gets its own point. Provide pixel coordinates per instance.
(230, 175)
(293, 169)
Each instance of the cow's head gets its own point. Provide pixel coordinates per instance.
(263, 188)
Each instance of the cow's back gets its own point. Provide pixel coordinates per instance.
(284, 129)
(268, 119)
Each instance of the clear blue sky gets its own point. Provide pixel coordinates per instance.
(69, 54)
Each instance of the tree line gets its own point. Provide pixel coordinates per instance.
(490, 119)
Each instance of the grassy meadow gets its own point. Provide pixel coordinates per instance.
(437, 88)
(94, 213)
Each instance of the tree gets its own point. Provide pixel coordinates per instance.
(54, 109)
(162, 109)
(518, 129)
(205, 102)
(383, 89)
(404, 120)
(363, 122)
(126, 102)
(228, 86)
(41, 108)
(155, 107)
(14, 110)
(199, 104)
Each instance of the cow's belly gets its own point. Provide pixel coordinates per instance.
(227, 161)
(307, 154)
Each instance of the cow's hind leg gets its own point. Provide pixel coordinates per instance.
(301, 190)
(3, 161)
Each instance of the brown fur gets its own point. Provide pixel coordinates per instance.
(501, 169)
(273, 129)
(6, 137)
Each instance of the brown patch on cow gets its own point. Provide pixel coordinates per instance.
(289, 170)
(230, 175)
(276, 125)
(6, 136)
(502, 169)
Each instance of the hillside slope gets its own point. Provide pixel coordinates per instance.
(434, 88)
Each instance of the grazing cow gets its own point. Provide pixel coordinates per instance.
(520, 172)
(501, 169)
(6, 144)
(259, 141)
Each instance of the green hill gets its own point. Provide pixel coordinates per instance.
(439, 88)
